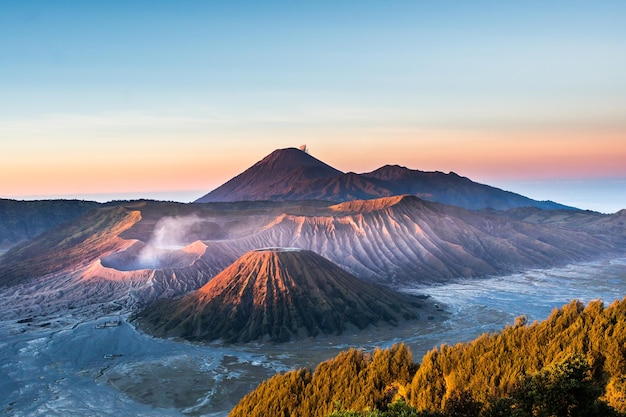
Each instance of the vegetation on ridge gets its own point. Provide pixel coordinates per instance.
(571, 364)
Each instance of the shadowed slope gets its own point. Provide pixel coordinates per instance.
(452, 189)
(291, 174)
(276, 177)
(276, 294)
(23, 220)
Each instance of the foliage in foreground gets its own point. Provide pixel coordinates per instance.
(572, 364)
(562, 389)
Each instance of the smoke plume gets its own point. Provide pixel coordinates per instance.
(170, 233)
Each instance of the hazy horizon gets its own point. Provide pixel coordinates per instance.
(120, 99)
(597, 195)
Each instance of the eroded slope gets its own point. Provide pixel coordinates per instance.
(277, 294)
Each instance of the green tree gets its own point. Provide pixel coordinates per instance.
(566, 366)
(499, 407)
(462, 404)
(564, 389)
(400, 409)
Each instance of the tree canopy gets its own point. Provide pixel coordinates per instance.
(572, 364)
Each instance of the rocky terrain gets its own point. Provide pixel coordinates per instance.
(68, 268)
(169, 249)
(135, 252)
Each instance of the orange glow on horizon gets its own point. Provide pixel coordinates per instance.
(479, 155)
(494, 155)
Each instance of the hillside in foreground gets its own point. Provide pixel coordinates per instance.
(571, 364)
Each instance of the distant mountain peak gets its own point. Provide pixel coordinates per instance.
(277, 175)
(292, 157)
(389, 172)
(285, 161)
(293, 174)
(399, 172)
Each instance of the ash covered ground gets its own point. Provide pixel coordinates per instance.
(58, 361)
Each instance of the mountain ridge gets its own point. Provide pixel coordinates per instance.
(398, 242)
(395, 241)
(293, 174)
(276, 174)
(22, 220)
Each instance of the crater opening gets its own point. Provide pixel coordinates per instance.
(278, 249)
(142, 256)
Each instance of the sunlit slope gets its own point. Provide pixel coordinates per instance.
(407, 240)
(559, 367)
(70, 246)
(277, 294)
(395, 240)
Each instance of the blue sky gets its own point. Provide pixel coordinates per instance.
(111, 89)
(161, 55)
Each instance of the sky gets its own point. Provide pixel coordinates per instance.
(170, 99)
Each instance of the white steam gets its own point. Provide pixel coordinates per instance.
(169, 234)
